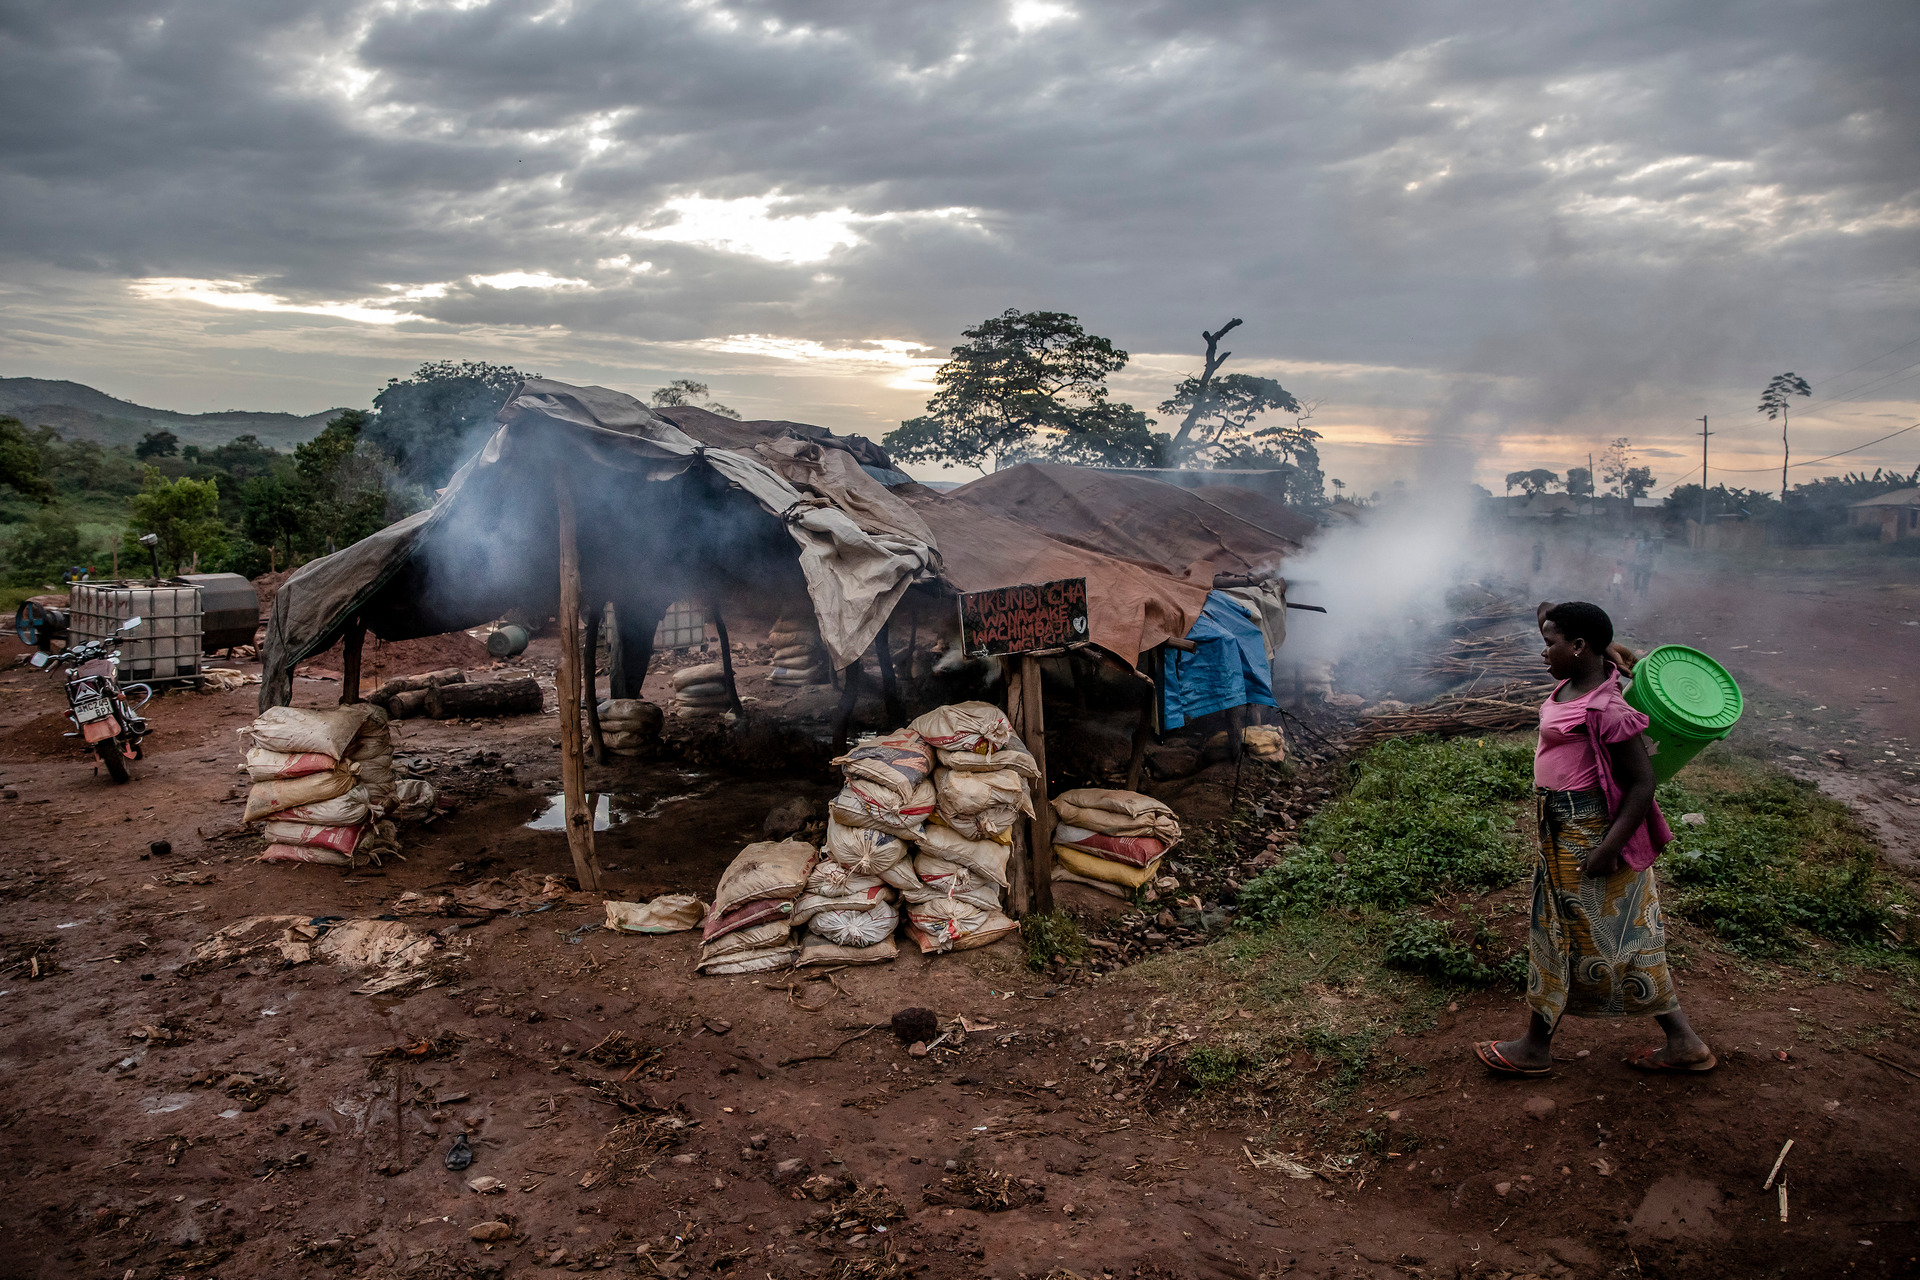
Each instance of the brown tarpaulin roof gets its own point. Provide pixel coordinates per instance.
(1169, 528)
(1130, 608)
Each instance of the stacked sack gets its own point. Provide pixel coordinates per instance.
(850, 909)
(306, 784)
(629, 726)
(701, 690)
(1112, 840)
(798, 656)
(980, 791)
(750, 926)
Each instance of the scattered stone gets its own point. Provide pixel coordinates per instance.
(1694, 819)
(1538, 1107)
(786, 819)
(683, 1159)
(758, 1142)
(791, 1170)
(1501, 1188)
(490, 1232)
(917, 1049)
(160, 848)
(485, 1185)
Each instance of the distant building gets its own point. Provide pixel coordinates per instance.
(1897, 514)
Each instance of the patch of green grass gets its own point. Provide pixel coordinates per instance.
(1428, 947)
(1775, 863)
(1051, 935)
(1421, 818)
(1212, 1067)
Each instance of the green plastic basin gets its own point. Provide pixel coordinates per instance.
(1689, 701)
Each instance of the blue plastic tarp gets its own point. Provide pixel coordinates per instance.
(1230, 668)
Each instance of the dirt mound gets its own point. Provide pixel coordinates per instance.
(400, 658)
(40, 739)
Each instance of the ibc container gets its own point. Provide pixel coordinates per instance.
(166, 644)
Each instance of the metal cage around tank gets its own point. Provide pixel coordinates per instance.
(166, 644)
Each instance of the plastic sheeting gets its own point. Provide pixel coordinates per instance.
(1229, 668)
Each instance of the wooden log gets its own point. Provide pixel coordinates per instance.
(408, 705)
(590, 662)
(475, 701)
(1042, 821)
(1020, 854)
(573, 769)
(408, 684)
(351, 646)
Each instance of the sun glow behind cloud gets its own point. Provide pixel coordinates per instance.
(897, 362)
(240, 295)
(752, 226)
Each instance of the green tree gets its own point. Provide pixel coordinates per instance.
(1109, 434)
(1579, 482)
(1538, 480)
(1773, 403)
(183, 513)
(430, 422)
(275, 511)
(1019, 378)
(43, 548)
(1218, 417)
(686, 392)
(157, 444)
(22, 466)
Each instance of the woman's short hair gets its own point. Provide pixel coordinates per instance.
(1578, 620)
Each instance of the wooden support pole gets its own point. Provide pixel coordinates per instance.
(350, 647)
(889, 687)
(726, 656)
(572, 766)
(1142, 737)
(589, 664)
(849, 700)
(1036, 740)
(1020, 854)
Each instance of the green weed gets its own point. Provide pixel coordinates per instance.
(1211, 1067)
(1050, 935)
(1421, 818)
(1428, 947)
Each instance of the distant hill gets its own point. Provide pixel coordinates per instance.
(79, 412)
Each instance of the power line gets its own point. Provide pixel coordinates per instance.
(1830, 457)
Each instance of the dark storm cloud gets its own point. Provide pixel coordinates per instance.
(1562, 207)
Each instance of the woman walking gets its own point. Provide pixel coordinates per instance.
(1596, 947)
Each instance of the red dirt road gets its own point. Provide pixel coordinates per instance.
(126, 1156)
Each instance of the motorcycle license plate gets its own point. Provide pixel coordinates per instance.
(91, 710)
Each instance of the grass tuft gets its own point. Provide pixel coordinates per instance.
(1049, 935)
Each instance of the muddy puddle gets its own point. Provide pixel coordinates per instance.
(621, 808)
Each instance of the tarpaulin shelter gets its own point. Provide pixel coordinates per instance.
(586, 492)
(1172, 529)
(659, 512)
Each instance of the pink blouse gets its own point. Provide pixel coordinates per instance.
(1565, 759)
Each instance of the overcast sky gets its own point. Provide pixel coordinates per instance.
(1485, 231)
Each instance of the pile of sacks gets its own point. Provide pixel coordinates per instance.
(979, 792)
(1111, 840)
(629, 726)
(323, 782)
(749, 927)
(699, 691)
(798, 656)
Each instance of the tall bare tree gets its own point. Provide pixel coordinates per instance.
(1773, 403)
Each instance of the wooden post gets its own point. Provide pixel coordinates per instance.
(889, 687)
(726, 656)
(350, 647)
(572, 767)
(1036, 740)
(589, 666)
(849, 698)
(1142, 737)
(1020, 855)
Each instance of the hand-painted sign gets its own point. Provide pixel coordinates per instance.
(1006, 620)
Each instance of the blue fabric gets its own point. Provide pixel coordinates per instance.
(1229, 669)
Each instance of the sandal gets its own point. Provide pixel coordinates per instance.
(1489, 1054)
(1645, 1061)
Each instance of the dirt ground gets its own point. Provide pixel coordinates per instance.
(250, 1127)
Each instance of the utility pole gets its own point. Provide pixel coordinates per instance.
(1703, 481)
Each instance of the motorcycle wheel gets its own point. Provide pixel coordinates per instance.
(109, 750)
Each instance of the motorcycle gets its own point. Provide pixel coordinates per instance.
(111, 726)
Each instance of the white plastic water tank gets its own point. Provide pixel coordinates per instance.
(166, 644)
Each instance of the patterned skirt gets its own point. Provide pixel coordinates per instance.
(1597, 947)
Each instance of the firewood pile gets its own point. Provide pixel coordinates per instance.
(1478, 605)
(1513, 655)
(1509, 707)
